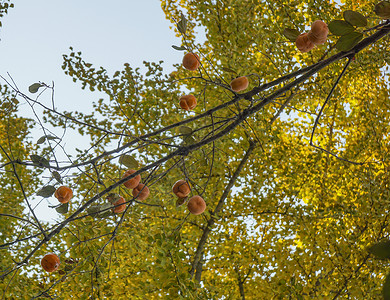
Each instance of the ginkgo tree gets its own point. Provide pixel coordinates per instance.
(292, 164)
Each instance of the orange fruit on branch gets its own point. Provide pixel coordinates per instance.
(303, 43)
(63, 194)
(133, 182)
(239, 84)
(120, 208)
(188, 102)
(191, 61)
(50, 262)
(141, 192)
(196, 205)
(318, 33)
(181, 188)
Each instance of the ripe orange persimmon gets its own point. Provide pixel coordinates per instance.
(63, 194)
(121, 208)
(303, 43)
(141, 192)
(191, 61)
(318, 33)
(50, 262)
(239, 84)
(188, 102)
(196, 205)
(181, 188)
(133, 182)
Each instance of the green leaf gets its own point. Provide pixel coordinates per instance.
(182, 24)
(386, 288)
(354, 18)
(185, 130)
(291, 34)
(63, 208)
(105, 210)
(50, 137)
(40, 161)
(340, 27)
(34, 87)
(382, 9)
(189, 140)
(46, 191)
(93, 210)
(347, 42)
(179, 48)
(381, 250)
(57, 176)
(228, 70)
(128, 161)
(41, 140)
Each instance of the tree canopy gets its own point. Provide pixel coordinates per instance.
(294, 170)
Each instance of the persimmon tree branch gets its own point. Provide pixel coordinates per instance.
(218, 208)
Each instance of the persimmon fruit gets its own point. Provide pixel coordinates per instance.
(141, 192)
(196, 205)
(50, 262)
(188, 102)
(120, 208)
(191, 61)
(239, 84)
(303, 43)
(133, 182)
(63, 194)
(181, 188)
(318, 33)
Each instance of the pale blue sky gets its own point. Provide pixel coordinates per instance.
(109, 33)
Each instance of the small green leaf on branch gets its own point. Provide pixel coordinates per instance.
(40, 161)
(386, 288)
(354, 18)
(382, 9)
(291, 34)
(179, 48)
(380, 250)
(185, 130)
(46, 191)
(63, 208)
(57, 176)
(182, 24)
(34, 87)
(128, 161)
(340, 27)
(347, 42)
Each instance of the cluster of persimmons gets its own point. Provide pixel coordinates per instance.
(196, 205)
